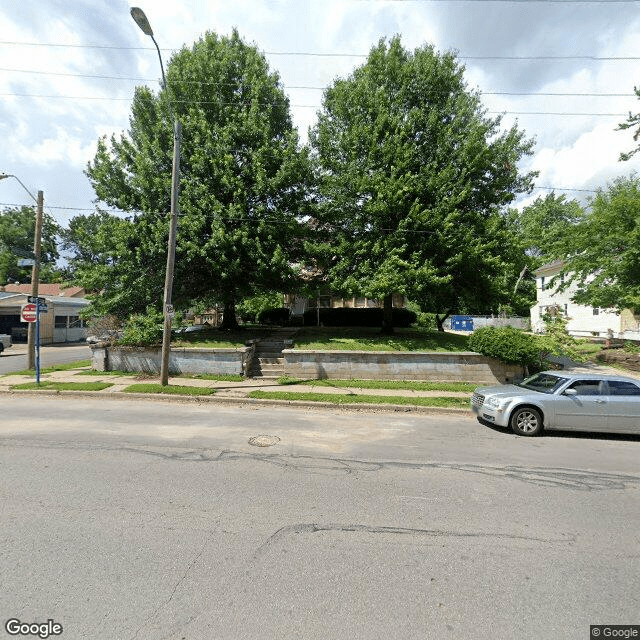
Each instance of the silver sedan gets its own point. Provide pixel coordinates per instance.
(560, 400)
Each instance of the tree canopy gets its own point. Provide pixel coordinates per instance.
(633, 120)
(602, 251)
(17, 231)
(544, 225)
(244, 181)
(413, 176)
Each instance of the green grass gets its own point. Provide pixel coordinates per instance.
(370, 339)
(64, 386)
(221, 377)
(311, 396)
(56, 367)
(169, 389)
(216, 339)
(406, 385)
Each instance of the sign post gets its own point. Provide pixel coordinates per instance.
(31, 313)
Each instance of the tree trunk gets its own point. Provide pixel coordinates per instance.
(387, 316)
(440, 321)
(229, 321)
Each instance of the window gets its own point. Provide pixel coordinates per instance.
(621, 388)
(542, 283)
(596, 311)
(60, 322)
(586, 387)
(74, 322)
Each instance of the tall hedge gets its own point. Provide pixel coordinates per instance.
(357, 317)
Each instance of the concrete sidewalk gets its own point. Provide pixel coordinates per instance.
(230, 391)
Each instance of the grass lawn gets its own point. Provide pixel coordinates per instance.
(153, 387)
(384, 384)
(370, 339)
(64, 386)
(56, 367)
(216, 339)
(462, 403)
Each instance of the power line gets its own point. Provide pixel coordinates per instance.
(307, 106)
(321, 54)
(308, 87)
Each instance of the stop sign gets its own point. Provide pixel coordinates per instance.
(28, 313)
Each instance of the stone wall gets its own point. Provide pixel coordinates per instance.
(439, 366)
(181, 360)
(620, 356)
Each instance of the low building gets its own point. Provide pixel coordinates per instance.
(583, 320)
(60, 323)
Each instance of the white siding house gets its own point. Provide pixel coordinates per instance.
(584, 321)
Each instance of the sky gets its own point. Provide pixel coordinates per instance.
(565, 70)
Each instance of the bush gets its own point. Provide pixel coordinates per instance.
(350, 317)
(278, 316)
(507, 344)
(142, 330)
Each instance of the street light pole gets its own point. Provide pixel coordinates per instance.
(141, 20)
(35, 271)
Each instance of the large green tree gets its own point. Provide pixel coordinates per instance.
(602, 251)
(244, 183)
(413, 174)
(17, 231)
(544, 225)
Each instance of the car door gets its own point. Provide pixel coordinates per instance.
(586, 410)
(623, 406)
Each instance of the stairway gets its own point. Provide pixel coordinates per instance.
(267, 360)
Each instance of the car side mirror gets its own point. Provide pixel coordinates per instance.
(570, 392)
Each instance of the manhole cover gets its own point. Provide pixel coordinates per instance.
(264, 441)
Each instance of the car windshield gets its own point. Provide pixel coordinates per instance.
(542, 382)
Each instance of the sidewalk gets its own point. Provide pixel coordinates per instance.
(230, 392)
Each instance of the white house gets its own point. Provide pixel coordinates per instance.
(584, 321)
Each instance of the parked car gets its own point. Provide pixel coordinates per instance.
(561, 400)
(194, 328)
(5, 341)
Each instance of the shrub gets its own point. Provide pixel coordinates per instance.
(359, 317)
(507, 344)
(274, 316)
(141, 330)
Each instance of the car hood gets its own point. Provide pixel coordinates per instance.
(501, 390)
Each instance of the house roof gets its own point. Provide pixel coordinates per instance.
(556, 265)
(55, 289)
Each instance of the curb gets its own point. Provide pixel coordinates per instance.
(298, 404)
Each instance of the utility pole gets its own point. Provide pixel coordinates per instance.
(141, 20)
(171, 255)
(35, 279)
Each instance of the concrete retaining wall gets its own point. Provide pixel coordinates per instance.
(181, 360)
(465, 366)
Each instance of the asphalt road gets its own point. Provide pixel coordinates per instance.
(125, 520)
(15, 357)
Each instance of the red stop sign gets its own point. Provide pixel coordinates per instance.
(28, 313)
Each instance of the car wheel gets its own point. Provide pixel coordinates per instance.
(526, 421)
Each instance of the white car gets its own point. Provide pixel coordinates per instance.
(561, 400)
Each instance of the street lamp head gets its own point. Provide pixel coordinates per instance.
(4, 175)
(141, 20)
